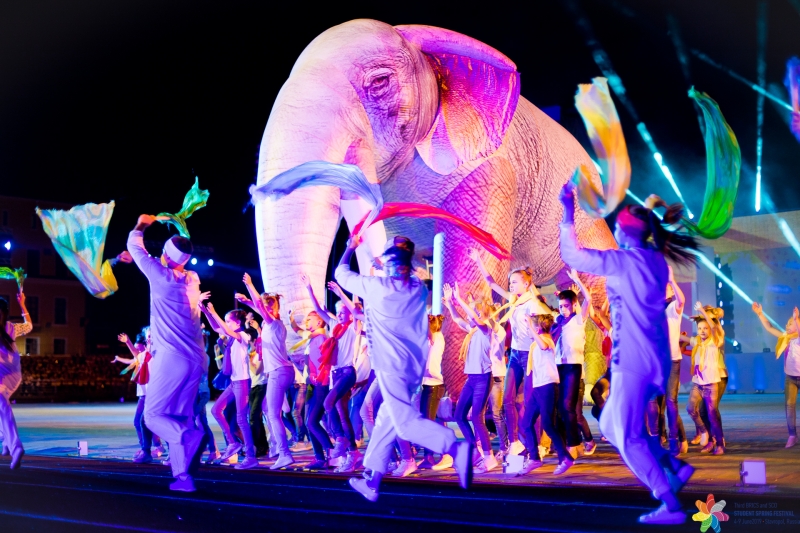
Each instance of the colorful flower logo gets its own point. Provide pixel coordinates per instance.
(710, 514)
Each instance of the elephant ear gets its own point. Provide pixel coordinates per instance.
(478, 94)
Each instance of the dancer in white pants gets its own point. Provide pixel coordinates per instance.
(397, 335)
(179, 360)
(640, 361)
(11, 376)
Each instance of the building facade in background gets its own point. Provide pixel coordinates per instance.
(55, 299)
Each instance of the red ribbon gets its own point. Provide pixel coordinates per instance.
(413, 210)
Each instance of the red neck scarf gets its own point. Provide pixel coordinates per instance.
(329, 350)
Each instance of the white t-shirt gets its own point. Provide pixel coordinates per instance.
(674, 325)
(521, 338)
(791, 361)
(240, 357)
(497, 351)
(314, 355)
(433, 368)
(706, 357)
(542, 366)
(478, 353)
(570, 347)
(362, 364)
(347, 346)
(273, 345)
(141, 390)
(257, 374)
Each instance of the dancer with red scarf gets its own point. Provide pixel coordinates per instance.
(337, 356)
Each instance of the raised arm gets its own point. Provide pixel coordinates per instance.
(680, 298)
(473, 254)
(150, 266)
(124, 339)
(470, 312)
(293, 323)
(324, 314)
(587, 296)
(598, 262)
(757, 309)
(337, 290)
(545, 342)
(447, 299)
(796, 318)
(255, 298)
(26, 326)
(716, 330)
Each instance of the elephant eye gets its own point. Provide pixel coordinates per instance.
(378, 85)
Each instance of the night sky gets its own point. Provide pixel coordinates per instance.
(129, 100)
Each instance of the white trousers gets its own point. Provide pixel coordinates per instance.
(623, 424)
(169, 410)
(398, 417)
(8, 425)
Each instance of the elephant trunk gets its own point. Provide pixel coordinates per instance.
(295, 232)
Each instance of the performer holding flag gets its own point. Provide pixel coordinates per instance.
(179, 360)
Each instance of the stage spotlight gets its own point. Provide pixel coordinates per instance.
(7, 245)
(211, 262)
(194, 260)
(736, 343)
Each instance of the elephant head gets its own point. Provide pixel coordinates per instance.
(434, 117)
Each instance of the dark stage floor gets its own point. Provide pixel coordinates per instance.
(56, 491)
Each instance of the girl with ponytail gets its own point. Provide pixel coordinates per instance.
(636, 275)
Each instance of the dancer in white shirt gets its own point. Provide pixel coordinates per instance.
(433, 386)
(396, 324)
(636, 275)
(789, 347)
(236, 364)
(478, 368)
(706, 378)
(541, 391)
(179, 360)
(523, 300)
(11, 376)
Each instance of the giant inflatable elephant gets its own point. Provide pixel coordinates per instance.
(435, 117)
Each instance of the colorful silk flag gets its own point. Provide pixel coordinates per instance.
(79, 237)
(723, 163)
(402, 209)
(346, 177)
(17, 274)
(594, 103)
(194, 200)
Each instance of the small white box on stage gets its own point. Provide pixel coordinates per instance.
(512, 464)
(83, 447)
(753, 472)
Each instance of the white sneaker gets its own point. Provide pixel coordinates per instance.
(490, 461)
(349, 463)
(528, 466)
(516, 448)
(231, 450)
(158, 451)
(283, 460)
(662, 515)
(563, 466)
(589, 447)
(792, 441)
(248, 463)
(444, 463)
(405, 468)
(340, 448)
